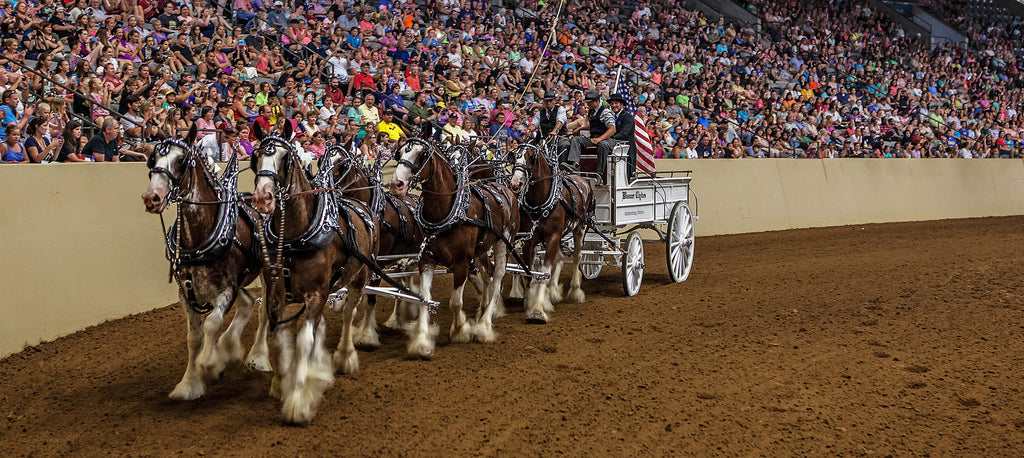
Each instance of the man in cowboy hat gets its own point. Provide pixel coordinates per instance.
(601, 122)
(624, 129)
(551, 121)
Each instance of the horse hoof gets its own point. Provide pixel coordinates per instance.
(259, 365)
(346, 364)
(186, 391)
(298, 416)
(462, 334)
(576, 296)
(366, 340)
(485, 337)
(536, 319)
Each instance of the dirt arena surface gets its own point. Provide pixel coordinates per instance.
(900, 339)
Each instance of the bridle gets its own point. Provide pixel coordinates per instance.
(268, 147)
(162, 149)
(430, 151)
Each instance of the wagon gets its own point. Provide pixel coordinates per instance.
(658, 203)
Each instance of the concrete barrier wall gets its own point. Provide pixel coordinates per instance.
(737, 196)
(77, 247)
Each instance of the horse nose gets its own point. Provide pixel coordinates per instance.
(150, 199)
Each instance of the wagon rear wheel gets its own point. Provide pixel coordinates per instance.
(633, 264)
(679, 243)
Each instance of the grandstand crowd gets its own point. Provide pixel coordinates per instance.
(100, 80)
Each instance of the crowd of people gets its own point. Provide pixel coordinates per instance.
(817, 78)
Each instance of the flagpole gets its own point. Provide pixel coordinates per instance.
(618, 73)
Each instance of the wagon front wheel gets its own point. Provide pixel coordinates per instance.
(679, 243)
(633, 264)
(590, 264)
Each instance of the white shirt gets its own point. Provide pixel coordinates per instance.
(209, 147)
(339, 65)
(526, 64)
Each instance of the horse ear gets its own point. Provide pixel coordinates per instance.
(288, 130)
(257, 131)
(193, 133)
(427, 131)
(320, 163)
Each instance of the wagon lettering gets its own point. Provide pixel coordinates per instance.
(636, 195)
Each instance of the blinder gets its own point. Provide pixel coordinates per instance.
(163, 149)
(423, 160)
(267, 148)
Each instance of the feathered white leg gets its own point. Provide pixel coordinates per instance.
(483, 330)
(422, 333)
(230, 342)
(211, 364)
(461, 330)
(537, 302)
(517, 291)
(366, 335)
(191, 385)
(259, 354)
(346, 360)
(308, 380)
(575, 291)
(554, 287)
(282, 351)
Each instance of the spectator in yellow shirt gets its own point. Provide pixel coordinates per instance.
(390, 127)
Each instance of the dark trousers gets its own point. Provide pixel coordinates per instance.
(576, 145)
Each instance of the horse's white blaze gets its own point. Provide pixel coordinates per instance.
(518, 176)
(159, 183)
(403, 173)
(268, 163)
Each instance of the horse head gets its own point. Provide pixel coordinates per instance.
(411, 157)
(168, 163)
(528, 159)
(271, 161)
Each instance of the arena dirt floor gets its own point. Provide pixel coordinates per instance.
(900, 339)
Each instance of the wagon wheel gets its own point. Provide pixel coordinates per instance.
(590, 264)
(679, 242)
(633, 264)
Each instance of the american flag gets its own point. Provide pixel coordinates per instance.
(644, 148)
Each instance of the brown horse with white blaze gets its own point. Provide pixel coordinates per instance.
(556, 204)
(316, 244)
(463, 221)
(213, 250)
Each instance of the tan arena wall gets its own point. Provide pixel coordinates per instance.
(78, 248)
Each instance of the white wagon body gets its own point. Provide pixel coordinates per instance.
(660, 203)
